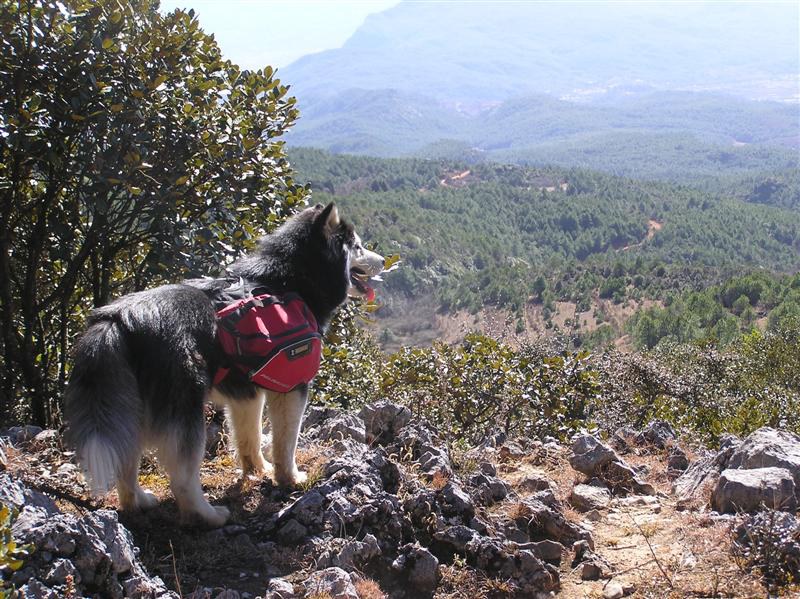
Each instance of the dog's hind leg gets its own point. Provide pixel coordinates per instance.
(181, 454)
(131, 495)
(247, 420)
(286, 415)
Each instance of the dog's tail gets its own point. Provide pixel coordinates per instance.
(102, 406)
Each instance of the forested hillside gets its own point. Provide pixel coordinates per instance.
(514, 237)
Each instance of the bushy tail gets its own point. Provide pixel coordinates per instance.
(102, 406)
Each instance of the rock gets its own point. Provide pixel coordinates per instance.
(542, 521)
(455, 502)
(292, 532)
(613, 590)
(677, 462)
(383, 419)
(488, 489)
(511, 451)
(591, 570)
(18, 435)
(749, 490)
(278, 588)
(15, 494)
(456, 538)
(227, 594)
(341, 427)
(621, 477)
(772, 540)
(536, 482)
(46, 438)
(547, 550)
(487, 468)
(701, 476)
(658, 433)
(766, 448)
(331, 582)
(644, 501)
(589, 497)
(419, 565)
(95, 551)
(316, 415)
(589, 455)
(349, 554)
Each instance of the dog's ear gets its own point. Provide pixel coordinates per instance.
(328, 220)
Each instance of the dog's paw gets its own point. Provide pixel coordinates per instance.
(291, 479)
(222, 515)
(146, 500)
(138, 501)
(257, 466)
(213, 516)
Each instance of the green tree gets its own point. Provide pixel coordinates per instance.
(131, 152)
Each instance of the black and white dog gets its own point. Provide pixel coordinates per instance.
(143, 369)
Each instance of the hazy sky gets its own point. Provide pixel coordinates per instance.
(255, 33)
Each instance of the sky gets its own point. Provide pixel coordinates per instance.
(256, 33)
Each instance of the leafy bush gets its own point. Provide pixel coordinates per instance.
(482, 385)
(703, 390)
(12, 554)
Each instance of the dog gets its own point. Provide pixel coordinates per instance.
(144, 368)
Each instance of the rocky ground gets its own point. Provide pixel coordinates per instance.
(390, 510)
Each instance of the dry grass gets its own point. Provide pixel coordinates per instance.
(369, 589)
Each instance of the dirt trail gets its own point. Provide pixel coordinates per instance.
(652, 549)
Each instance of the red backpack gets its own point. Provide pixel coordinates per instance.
(273, 340)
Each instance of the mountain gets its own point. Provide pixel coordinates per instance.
(669, 90)
(471, 54)
(686, 136)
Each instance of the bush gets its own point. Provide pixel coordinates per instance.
(481, 385)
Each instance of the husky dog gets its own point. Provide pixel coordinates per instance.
(143, 370)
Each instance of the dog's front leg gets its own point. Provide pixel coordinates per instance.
(286, 415)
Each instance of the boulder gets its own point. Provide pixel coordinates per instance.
(589, 497)
(94, 554)
(419, 566)
(658, 433)
(278, 588)
(342, 427)
(334, 583)
(768, 447)
(589, 454)
(383, 419)
(755, 488)
(701, 476)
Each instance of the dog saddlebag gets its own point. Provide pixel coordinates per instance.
(273, 340)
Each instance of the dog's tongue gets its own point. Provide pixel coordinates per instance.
(370, 292)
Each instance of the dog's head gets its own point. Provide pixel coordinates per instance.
(358, 264)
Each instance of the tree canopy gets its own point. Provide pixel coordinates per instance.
(131, 152)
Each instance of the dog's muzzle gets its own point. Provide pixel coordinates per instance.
(364, 265)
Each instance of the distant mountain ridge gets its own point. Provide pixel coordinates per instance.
(478, 52)
(574, 84)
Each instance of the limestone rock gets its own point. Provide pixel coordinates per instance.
(658, 433)
(331, 582)
(383, 419)
(768, 447)
(589, 497)
(589, 454)
(749, 490)
(419, 565)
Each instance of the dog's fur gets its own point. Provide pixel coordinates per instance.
(143, 368)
